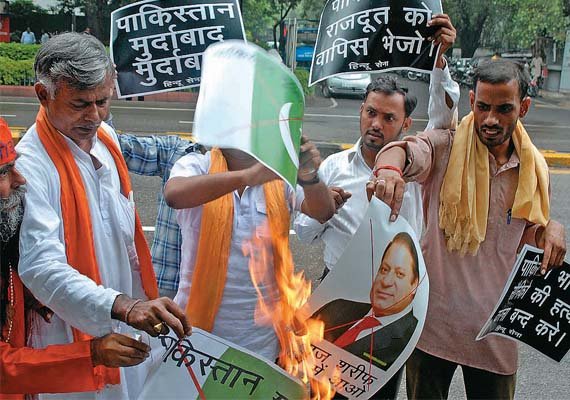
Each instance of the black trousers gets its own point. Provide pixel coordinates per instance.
(429, 377)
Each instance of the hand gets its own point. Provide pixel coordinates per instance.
(258, 174)
(552, 239)
(445, 35)
(115, 350)
(339, 196)
(389, 187)
(146, 315)
(309, 160)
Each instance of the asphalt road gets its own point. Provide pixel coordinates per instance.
(336, 121)
(325, 119)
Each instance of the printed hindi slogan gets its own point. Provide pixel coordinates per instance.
(534, 309)
(205, 366)
(375, 35)
(157, 46)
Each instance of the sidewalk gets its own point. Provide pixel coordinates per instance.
(561, 100)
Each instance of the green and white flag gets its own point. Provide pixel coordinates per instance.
(252, 102)
(204, 366)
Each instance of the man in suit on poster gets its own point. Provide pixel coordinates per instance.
(380, 330)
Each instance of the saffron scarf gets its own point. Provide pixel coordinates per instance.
(464, 195)
(210, 269)
(76, 218)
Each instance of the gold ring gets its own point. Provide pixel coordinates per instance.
(158, 327)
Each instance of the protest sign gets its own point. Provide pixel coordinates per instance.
(371, 324)
(157, 46)
(534, 309)
(374, 35)
(203, 366)
(250, 101)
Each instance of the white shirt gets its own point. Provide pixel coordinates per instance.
(349, 171)
(76, 300)
(235, 318)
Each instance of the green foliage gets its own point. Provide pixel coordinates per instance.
(531, 19)
(16, 72)
(506, 24)
(18, 52)
(303, 76)
(24, 8)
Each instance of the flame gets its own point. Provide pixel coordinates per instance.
(279, 310)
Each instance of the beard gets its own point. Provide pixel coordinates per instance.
(11, 213)
(504, 135)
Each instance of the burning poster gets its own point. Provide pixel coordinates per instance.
(157, 45)
(375, 35)
(373, 305)
(203, 366)
(251, 102)
(534, 309)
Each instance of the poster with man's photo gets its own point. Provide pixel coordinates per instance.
(157, 45)
(373, 305)
(374, 35)
(534, 309)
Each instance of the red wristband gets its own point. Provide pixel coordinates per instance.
(390, 167)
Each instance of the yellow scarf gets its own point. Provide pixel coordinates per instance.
(464, 196)
(209, 277)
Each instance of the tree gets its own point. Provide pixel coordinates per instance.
(25, 8)
(469, 18)
(506, 24)
(97, 12)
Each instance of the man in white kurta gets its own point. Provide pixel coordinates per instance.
(43, 266)
(350, 171)
(75, 85)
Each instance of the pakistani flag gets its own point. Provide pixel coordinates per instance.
(252, 102)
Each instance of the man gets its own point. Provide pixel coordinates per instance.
(155, 156)
(485, 193)
(28, 37)
(390, 324)
(384, 117)
(50, 366)
(225, 198)
(82, 248)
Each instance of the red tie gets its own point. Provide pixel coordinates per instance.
(350, 335)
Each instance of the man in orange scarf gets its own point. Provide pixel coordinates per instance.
(485, 193)
(224, 198)
(82, 249)
(24, 370)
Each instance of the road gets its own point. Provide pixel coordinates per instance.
(337, 121)
(325, 120)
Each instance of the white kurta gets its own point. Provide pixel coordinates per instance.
(235, 318)
(76, 300)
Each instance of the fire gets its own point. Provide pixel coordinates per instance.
(293, 290)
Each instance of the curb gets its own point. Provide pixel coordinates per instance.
(553, 158)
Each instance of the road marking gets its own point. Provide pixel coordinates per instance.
(186, 122)
(13, 103)
(151, 229)
(559, 171)
(8, 115)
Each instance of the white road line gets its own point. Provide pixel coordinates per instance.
(151, 229)
(186, 122)
(8, 115)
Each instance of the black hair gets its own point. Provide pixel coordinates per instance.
(502, 71)
(409, 242)
(389, 85)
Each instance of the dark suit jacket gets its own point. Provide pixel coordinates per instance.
(389, 341)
